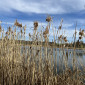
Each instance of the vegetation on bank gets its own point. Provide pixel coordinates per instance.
(50, 44)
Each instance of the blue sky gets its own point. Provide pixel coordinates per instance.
(27, 11)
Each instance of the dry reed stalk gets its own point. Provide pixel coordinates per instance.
(41, 66)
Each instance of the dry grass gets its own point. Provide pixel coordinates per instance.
(34, 65)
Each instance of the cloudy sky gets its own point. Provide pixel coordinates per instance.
(27, 11)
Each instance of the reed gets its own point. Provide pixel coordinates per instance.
(35, 64)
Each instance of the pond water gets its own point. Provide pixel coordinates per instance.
(62, 57)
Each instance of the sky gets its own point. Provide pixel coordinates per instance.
(28, 11)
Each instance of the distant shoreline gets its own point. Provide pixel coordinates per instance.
(43, 44)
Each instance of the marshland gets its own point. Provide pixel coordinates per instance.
(39, 61)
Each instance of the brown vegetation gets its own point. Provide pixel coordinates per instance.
(34, 65)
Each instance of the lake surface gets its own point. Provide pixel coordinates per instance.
(59, 56)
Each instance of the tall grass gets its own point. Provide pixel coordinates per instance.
(35, 64)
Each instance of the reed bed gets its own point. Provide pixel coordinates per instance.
(37, 65)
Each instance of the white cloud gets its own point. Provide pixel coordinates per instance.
(44, 6)
(66, 32)
(9, 23)
(67, 25)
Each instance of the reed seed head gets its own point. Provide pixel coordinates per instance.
(60, 27)
(65, 39)
(80, 37)
(48, 19)
(9, 29)
(35, 25)
(6, 33)
(29, 35)
(17, 24)
(81, 33)
(60, 37)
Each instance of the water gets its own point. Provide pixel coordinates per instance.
(62, 57)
